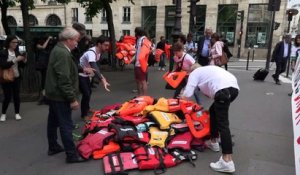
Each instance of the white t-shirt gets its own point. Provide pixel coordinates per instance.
(209, 79)
(294, 50)
(187, 62)
(138, 49)
(87, 57)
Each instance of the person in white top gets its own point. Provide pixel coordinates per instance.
(295, 51)
(222, 86)
(184, 62)
(88, 68)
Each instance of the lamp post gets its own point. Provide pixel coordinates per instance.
(176, 30)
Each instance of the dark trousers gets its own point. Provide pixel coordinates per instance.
(43, 77)
(9, 90)
(85, 88)
(219, 122)
(161, 63)
(280, 68)
(60, 116)
(203, 61)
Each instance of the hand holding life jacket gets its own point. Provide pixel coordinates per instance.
(158, 53)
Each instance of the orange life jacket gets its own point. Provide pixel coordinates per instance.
(144, 53)
(174, 78)
(107, 149)
(135, 106)
(193, 113)
(158, 53)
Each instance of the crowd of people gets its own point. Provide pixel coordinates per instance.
(68, 67)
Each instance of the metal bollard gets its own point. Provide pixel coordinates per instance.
(248, 58)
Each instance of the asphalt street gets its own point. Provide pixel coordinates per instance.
(260, 119)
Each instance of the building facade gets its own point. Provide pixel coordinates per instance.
(158, 17)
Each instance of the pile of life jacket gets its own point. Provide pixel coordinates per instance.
(126, 49)
(146, 134)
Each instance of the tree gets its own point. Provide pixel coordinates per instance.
(30, 82)
(4, 4)
(93, 7)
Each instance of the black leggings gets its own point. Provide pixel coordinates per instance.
(9, 90)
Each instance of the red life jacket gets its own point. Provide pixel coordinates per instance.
(108, 108)
(198, 144)
(153, 158)
(96, 125)
(182, 141)
(107, 149)
(93, 142)
(118, 163)
(123, 133)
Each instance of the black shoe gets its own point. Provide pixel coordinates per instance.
(74, 159)
(290, 94)
(57, 150)
(278, 83)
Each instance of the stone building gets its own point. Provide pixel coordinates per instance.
(158, 18)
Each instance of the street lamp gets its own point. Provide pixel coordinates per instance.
(291, 13)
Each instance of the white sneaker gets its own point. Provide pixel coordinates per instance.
(3, 118)
(163, 69)
(18, 117)
(213, 146)
(222, 166)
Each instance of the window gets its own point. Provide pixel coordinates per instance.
(32, 20)
(200, 21)
(53, 20)
(74, 14)
(103, 16)
(258, 26)
(226, 25)
(126, 32)
(126, 14)
(149, 20)
(89, 32)
(169, 21)
(11, 21)
(88, 19)
(105, 33)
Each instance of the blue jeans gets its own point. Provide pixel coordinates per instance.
(85, 89)
(60, 116)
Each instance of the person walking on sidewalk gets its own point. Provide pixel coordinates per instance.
(62, 93)
(88, 63)
(11, 58)
(281, 54)
(222, 86)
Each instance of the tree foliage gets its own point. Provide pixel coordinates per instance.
(93, 7)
